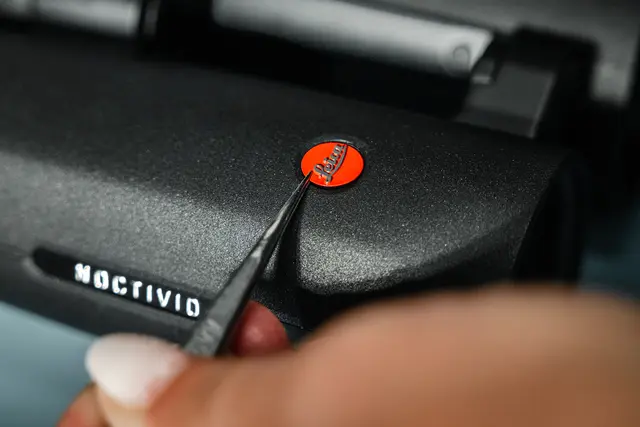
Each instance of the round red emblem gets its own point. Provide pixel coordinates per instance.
(333, 164)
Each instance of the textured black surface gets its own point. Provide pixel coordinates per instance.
(175, 171)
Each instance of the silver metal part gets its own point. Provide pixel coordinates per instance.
(18, 8)
(113, 17)
(612, 26)
(362, 30)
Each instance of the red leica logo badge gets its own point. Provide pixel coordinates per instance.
(333, 163)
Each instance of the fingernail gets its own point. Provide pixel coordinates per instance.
(133, 369)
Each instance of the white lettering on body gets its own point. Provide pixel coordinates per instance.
(193, 307)
(136, 289)
(149, 294)
(83, 273)
(115, 285)
(163, 299)
(101, 280)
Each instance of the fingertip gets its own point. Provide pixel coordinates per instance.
(259, 332)
(117, 415)
(132, 369)
(84, 411)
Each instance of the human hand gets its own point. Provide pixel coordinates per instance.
(497, 358)
(259, 332)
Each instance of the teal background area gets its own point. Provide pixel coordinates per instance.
(41, 368)
(42, 363)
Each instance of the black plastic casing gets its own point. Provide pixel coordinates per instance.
(171, 172)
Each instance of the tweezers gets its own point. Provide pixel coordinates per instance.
(210, 335)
